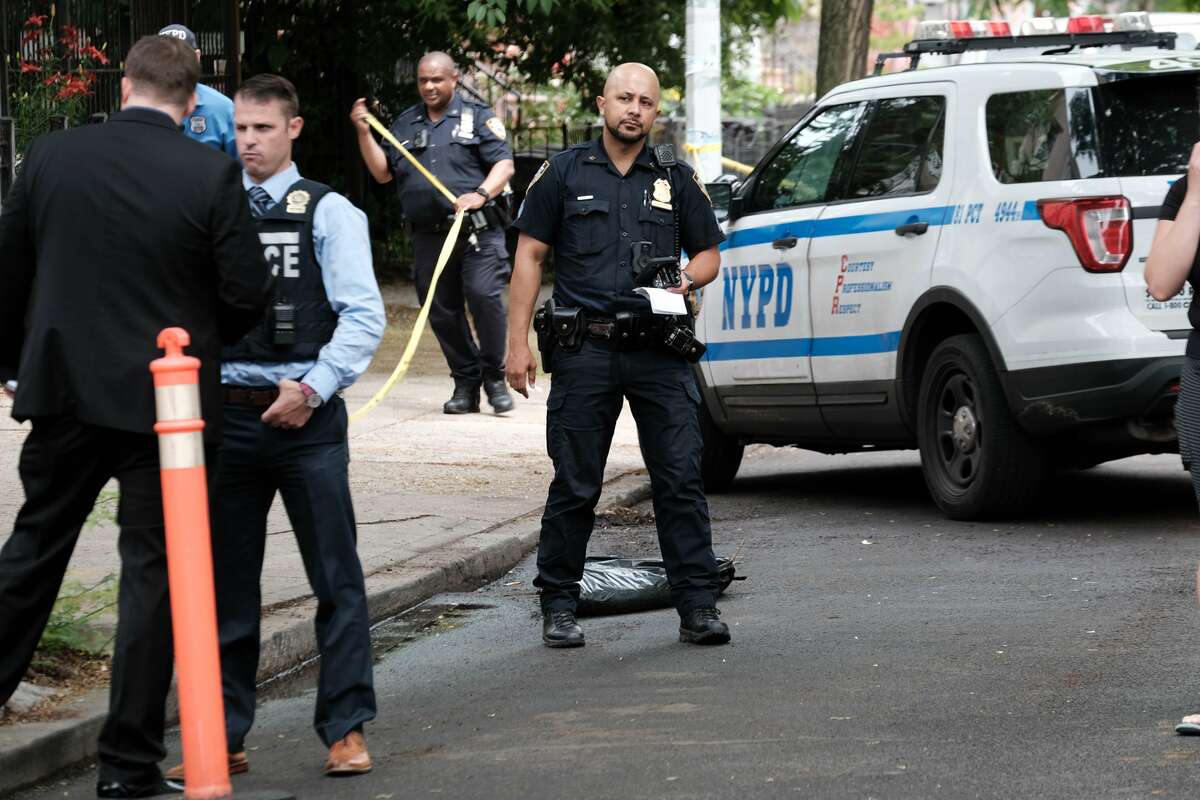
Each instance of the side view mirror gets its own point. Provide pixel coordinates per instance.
(721, 195)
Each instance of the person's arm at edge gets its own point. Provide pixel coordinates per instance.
(244, 280)
(1173, 250)
(522, 295)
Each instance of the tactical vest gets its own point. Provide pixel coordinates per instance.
(286, 233)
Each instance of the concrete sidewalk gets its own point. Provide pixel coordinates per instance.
(444, 503)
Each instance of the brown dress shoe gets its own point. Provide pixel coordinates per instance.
(348, 756)
(238, 764)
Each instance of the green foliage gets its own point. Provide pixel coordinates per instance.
(104, 510)
(743, 98)
(68, 627)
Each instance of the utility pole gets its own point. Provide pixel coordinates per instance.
(703, 65)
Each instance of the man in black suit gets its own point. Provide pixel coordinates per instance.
(110, 234)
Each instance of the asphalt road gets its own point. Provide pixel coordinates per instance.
(880, 651)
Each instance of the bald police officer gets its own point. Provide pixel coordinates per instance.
(463, 144)
(592, 203)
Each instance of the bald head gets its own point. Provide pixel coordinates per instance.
(634, 73)
(437, 75)
(439, 59)
(630, 102)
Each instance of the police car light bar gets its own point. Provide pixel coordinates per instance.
(948, 37)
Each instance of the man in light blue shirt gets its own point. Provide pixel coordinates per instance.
(285, 428)
(211, 122)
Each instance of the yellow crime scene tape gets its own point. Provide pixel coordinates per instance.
(444, 256)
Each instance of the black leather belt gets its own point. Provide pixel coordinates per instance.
(636, 332)
(246, 396)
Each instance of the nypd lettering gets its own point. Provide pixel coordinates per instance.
(756, 296)
(282, 250)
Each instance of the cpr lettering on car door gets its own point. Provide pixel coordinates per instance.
(755, 318)
(874, 244)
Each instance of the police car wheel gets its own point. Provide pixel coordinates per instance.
(976, 460)
(722, 454)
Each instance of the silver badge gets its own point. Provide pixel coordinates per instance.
(466, 128)
(198, 124)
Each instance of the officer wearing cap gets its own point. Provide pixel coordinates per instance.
(607, 208)
(462, 143)
(211, 122)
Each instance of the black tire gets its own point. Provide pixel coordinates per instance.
(977, 461)
(722, 454)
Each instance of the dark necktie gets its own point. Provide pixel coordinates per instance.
(260, 200)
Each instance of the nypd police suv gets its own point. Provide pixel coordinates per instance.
(951, 259)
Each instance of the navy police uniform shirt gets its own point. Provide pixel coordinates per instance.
(462, 148)
(579, 204)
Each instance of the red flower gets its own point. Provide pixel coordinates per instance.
(91, 51)
(36, 20)
(73, 87)
(28, 66)
(70, 37)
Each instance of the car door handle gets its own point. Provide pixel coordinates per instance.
(786, 243)
(912, 229)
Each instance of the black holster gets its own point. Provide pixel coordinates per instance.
(557, 328)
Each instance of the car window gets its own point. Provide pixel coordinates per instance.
(1043, 135)
(1148, 124)
(901, 150)
(799, 173)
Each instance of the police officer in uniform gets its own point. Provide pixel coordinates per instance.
(463, 144)
(609, 208)
(285, 428)
(211, 121)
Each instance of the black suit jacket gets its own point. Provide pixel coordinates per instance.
(111, 233)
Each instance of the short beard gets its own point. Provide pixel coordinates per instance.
(624, 137)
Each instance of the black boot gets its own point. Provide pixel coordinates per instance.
(559, 629)
(149, 789)
(465, 399)
(703, 626)
(497, 395)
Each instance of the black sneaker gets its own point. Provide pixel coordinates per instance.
(152, 789)
(559, 629)
(703, 626)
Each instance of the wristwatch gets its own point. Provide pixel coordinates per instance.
(691, 281)
(311, 398)
(482, 191)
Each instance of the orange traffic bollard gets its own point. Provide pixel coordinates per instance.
(190, 569)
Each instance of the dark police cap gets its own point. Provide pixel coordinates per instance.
(181, 32)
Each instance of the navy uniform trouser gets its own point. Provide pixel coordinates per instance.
(64, 464)
(472, 279)
(308, 468)
(586, 395)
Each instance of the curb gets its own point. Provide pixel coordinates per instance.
(32, 752)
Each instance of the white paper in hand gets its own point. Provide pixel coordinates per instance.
(662, 301)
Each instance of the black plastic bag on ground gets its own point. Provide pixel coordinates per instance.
(612, 585)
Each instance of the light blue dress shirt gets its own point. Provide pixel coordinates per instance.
(343, 248)
(211, 123)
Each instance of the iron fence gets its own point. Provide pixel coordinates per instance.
(113, 26)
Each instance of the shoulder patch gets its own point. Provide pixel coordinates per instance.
(496, 127)
(700, 186)
(541, 170)
(198, 124)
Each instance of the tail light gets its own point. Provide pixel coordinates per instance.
(1100, 229)
(1092, 23)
